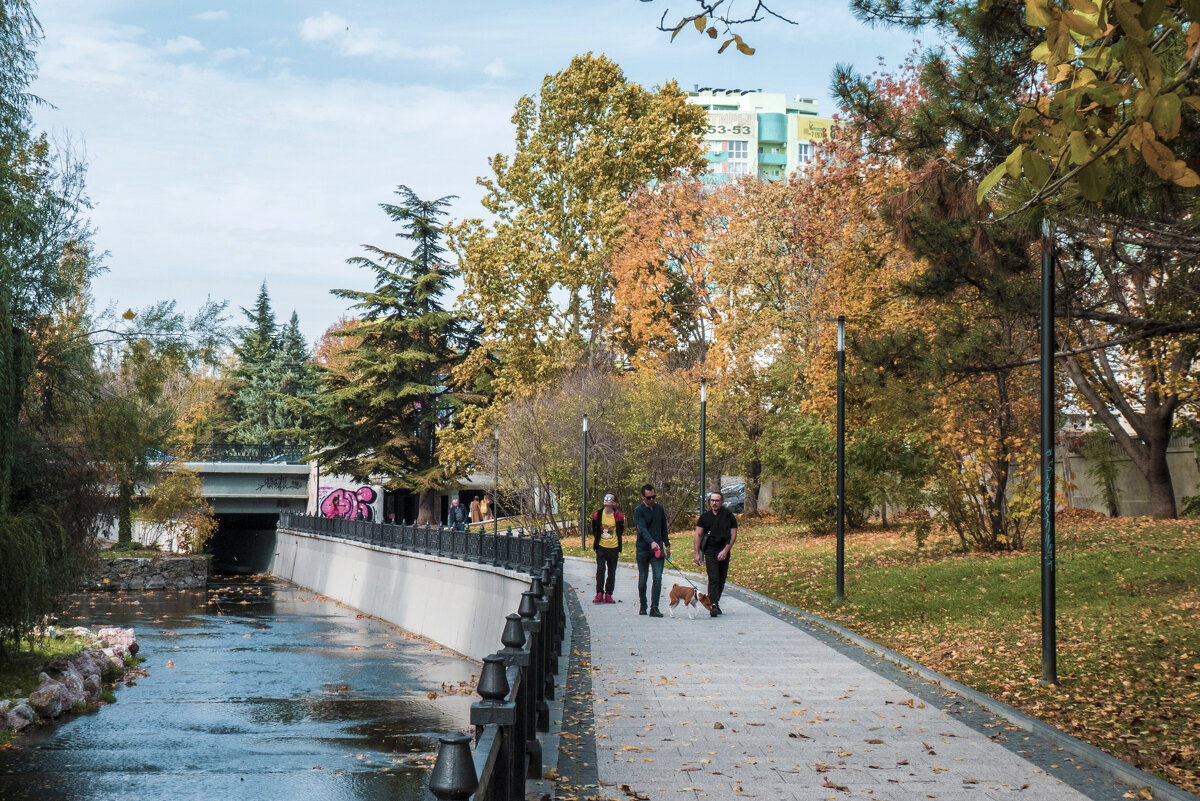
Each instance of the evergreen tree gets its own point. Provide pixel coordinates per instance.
(293, 372)
(255, 406)
(379, 419)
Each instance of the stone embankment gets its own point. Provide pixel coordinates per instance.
(74, 680)
(151, 573)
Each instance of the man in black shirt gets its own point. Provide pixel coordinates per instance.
(716, 531)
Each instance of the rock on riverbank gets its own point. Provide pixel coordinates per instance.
(72, 680)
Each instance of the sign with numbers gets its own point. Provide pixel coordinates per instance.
(732, 125)
(814, 129)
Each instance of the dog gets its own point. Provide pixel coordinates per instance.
(688, 595)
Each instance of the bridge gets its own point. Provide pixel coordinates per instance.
(247, 498)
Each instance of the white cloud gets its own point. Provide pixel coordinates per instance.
(182, 44)
(207, 181)
(496, 70)
(213, 16)
(226, 53)
(350, 39)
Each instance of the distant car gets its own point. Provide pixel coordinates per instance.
(735, 497)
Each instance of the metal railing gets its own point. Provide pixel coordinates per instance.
(237, 452)
(517, 682)
(511, 549)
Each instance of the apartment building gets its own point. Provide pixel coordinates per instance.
(751, 132)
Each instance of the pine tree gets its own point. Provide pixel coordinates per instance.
(255, 406)
(294, 371)
(379, 419)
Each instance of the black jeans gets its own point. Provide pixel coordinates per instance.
(606, 559)
(717, 571)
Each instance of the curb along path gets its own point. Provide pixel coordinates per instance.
(749, 705)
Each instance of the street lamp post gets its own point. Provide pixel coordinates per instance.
(703, 427)
(841, 459)
(1049, 634)
(583, 492)
(496, 487)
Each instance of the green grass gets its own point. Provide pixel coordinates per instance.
(19, 668)
(1128, 618)
(123, 550)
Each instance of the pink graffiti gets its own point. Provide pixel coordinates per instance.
(349, 504)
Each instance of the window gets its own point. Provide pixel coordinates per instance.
(737, 168)
(738, 149)
(805, 153)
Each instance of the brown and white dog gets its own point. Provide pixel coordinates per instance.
(688, 595)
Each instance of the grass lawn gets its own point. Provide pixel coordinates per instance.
(1128, 621)
(19, 668)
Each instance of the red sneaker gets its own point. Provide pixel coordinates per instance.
(599, 599)
(608, 599)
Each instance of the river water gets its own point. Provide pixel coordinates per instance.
(253, 689)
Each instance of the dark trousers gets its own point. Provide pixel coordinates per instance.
(646, 562)
(606, 561)
(717, 571)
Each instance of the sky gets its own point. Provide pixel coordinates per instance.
(232, 144)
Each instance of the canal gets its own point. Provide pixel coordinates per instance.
(253, 689)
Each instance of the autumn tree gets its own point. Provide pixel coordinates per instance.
(1125, 271)
(642, 427)
(383, 403)
(662, 308)
(539, 276)
(145, 372)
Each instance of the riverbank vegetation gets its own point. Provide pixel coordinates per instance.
(1128, 620)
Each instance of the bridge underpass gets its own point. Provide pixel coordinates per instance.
(247, 498)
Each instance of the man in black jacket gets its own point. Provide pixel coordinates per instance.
(458, 518)
(653, 546)
(716, 531)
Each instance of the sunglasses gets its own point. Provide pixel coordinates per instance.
(649, 497)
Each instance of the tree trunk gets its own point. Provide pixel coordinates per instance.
(753, 481)
(125, 511)
(1147, 451)
(1158, 476)
(427, 512)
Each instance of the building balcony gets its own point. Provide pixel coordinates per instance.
(772, 159)
(772, 127)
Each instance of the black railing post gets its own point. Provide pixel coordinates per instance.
(499, 710)
(532, 626)
(518, 658)
(453, 777)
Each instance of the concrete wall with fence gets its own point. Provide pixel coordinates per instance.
(1133, 493)
(454, 603)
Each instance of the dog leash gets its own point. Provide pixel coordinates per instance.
(680, 572)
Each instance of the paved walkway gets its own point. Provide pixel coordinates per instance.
(761, 704)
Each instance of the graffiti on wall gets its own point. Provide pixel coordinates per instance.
(347, 503)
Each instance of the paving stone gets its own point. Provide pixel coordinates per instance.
(752, 705)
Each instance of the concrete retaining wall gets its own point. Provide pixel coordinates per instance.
(458, 605)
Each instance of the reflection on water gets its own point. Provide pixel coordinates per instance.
(254, 689)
